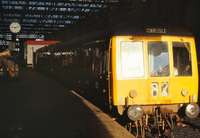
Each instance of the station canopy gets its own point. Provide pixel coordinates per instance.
(41, 17)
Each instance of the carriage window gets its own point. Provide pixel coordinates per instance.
(132, 61)
(182, 59)
(87, 62)
(70, 57)
(97, 68)
(158, 58)
(105, 61)
(65, 59)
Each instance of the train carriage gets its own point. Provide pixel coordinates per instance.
(145, 69)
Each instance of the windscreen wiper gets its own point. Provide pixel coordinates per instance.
(186, 46)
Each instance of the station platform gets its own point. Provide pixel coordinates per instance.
(35, 106)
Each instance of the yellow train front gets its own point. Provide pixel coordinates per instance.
(155, 73)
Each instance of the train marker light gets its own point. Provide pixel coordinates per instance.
(184, 92)
(192, 110)
(135, 112)
(132, 94)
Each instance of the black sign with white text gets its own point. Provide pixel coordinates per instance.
(150, 30)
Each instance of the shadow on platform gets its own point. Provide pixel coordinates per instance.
(36, 106)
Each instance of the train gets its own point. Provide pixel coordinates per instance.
(147, 70)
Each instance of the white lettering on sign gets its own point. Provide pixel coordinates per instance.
(156, 30)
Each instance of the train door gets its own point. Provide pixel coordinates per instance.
(159, 72)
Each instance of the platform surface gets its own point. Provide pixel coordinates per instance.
(36, 106)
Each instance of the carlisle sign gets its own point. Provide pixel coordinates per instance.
(156, 30)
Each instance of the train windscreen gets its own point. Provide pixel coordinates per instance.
(182, 59)
(158, 58)
(132, 59)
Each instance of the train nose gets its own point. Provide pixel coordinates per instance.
(192, 110)
(135, 112)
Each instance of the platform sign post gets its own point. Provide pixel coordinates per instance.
(11, 46)
(32, 58)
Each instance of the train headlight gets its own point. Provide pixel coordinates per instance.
(192, 110)
(135, 112)
(184, 92)
(132, 94)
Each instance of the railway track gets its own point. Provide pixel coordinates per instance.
(189, 129)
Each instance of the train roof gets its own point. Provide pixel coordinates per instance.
(134, 28)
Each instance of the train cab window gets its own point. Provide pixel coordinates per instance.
(158, 58)
(182, 59)
(132, 62)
